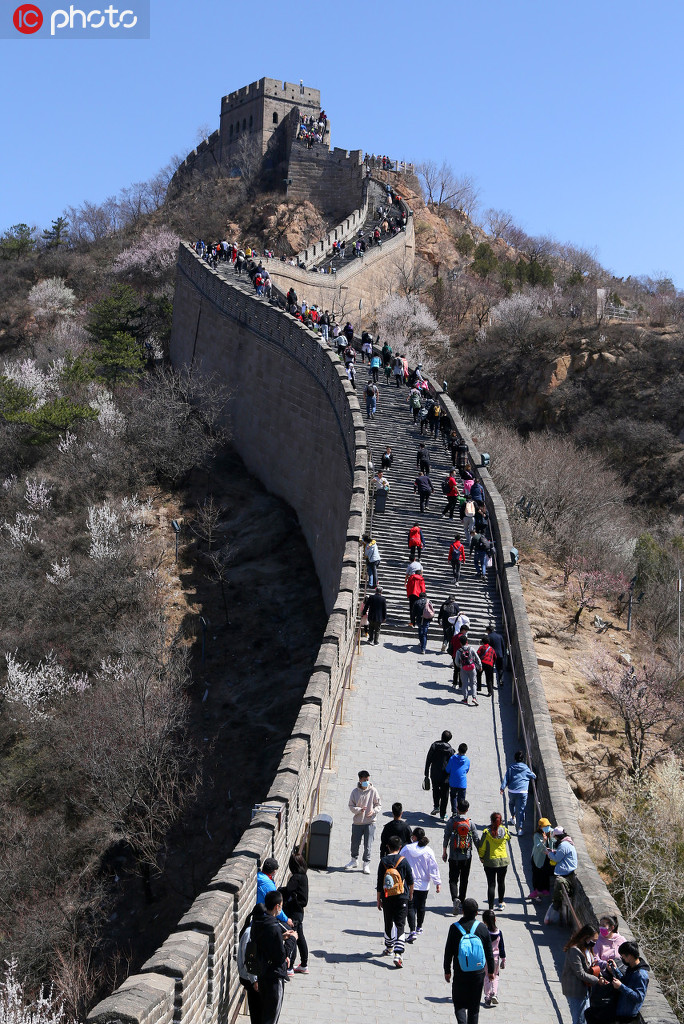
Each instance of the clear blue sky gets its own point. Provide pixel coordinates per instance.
(567, 114)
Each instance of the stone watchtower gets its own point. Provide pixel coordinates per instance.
(257, 111)
(266, 114)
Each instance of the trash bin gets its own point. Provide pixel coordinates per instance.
(319, 841)
(380, 499)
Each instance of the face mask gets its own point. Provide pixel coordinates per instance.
(364, 784)
(604, 931)
(590, 943)
(546, 829)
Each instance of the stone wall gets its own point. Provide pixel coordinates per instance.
(557, 801)
(371, 278)
(331, 179)
(298, 426)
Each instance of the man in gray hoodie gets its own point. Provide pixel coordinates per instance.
(364, 803)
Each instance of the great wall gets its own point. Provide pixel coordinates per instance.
(309, 445)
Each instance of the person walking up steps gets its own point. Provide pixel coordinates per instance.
(394, 890)
(487, 656)
(456, 557)
(373, 559)
(372, 395)
(425, 869)
(422, 486)
(493, 850)
(460, 836)
(436, 761)
(491, 985)
(375, 607)
(451, 495)
(423, 459)
(415, 542)
(364, 803)
(448, 610)
(469, 949)
(457, 768)
(422, 614)
(415, 587)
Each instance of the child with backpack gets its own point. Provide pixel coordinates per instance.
(491, 985)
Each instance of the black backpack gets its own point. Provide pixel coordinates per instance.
(252, 959)
(445, 486)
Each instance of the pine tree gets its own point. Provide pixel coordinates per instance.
(57, 234)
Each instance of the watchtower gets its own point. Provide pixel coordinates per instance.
(257, 110)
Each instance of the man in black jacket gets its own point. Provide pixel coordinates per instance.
(375, 607)
(396, 827)
(394, 905)
(466, 989)
(272, 964)
(435, 767)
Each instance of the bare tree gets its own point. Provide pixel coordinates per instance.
(498, 222)
(444, 189)
(205, 521)
(646, 874)
(247, 160)
(647, 701)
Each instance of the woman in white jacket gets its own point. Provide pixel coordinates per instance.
(425, 868)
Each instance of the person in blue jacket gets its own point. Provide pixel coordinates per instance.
(266, 884)
(517, 780)
(631, 984)
(457, 768)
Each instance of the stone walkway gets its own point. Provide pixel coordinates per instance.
(401, 701)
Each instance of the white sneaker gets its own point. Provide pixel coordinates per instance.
(366, 869)
(353, 863)
(494, 1001)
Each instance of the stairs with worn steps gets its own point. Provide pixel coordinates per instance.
(393, 425)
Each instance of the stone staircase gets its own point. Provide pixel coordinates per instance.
(376, 195)
(393, 425)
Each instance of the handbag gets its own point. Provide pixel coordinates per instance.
(428, 611)
(426, 783)
(364, 620)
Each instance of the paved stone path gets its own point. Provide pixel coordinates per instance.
(400, 703)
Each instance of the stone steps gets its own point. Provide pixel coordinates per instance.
(393, 425)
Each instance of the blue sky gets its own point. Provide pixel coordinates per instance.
(568, 115)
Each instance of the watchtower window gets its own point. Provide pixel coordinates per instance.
(275, 117)
(244, 123)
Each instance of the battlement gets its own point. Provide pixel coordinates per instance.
(274, 89)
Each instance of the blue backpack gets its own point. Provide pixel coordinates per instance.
(471, 956)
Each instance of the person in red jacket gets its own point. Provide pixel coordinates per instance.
(415, 542)
(456, 557)
(487, 656)
(415, 586)
(452, 495)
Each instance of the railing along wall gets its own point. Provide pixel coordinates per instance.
(192, 978)
(552, 795)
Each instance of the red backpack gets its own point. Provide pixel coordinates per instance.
(462, 837)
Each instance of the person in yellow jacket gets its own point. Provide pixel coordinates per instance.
(493, 849)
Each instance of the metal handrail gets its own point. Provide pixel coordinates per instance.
(326, 760)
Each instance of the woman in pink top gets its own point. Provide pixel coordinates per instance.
(606, 946)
